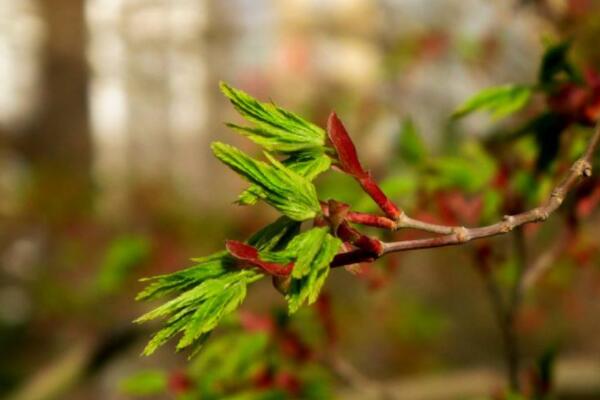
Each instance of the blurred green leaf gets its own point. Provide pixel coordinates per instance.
(230, 357)
(145, 383)
(411, 145)
(290, 193)
(554, 62)
(277, 129)
(122, 256)
(500, 101)
(471, 170)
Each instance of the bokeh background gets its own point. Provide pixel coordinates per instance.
(107, 109)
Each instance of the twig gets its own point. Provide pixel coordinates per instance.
(582, 168)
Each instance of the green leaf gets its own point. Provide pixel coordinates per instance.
(276, 235)
(411, 146)
(313, 250)
(472, 170)
(306, 164)
(197, 311)
(500, 101)
(554, 62)
(123, 255)
(277, 129)
(205, 268)
(145, 383)
(290, 193)
(208, 291)
(244, 350)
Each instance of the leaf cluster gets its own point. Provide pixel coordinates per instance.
(295, 153)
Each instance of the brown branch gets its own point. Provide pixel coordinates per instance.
(582, 168)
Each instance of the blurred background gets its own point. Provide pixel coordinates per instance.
(107, 109)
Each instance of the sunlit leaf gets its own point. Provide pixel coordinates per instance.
(308, 164)
(290, 193)
(277, 129)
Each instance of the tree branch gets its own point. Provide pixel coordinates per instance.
(455, 235)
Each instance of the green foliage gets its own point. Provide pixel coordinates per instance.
(471, 170)
(123, 255)
(145, 383)
(277, 129)
(411, 146)
(499, 101)
(208, 291)
(243, 351)
(196, 312)
(555, 65)
(290, 193)
(246, 363)
(307, 164)
(313, 251)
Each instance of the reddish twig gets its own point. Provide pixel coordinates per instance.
(248, 254)
(349, 163)
(582, 168)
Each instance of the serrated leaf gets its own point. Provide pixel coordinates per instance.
(314, 251)
(197, 311)
(499, 101)
(208, 291)
(277, 129)
(290, 193)
(306, 164)
(275, 235)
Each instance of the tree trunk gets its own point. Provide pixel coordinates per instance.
(57, 144)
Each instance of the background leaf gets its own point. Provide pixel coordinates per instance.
(500, 101)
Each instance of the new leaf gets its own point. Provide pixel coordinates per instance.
(287, 191)
(207, 291)
(305, 163)
(276, 129)
(314, 250)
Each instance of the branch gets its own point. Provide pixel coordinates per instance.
(582, 168)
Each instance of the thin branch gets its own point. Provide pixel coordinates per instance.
(582, 168)
(543, 263)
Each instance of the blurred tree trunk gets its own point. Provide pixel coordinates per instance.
(57, 144)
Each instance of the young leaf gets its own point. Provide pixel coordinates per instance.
(249, 254)
(305, 163)
(197, 311)
(290, 193)
(349, 163)
(276, 235)
(277, 129)
(314, 250)
(500, 101)
(207, 291)
(344, 147)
